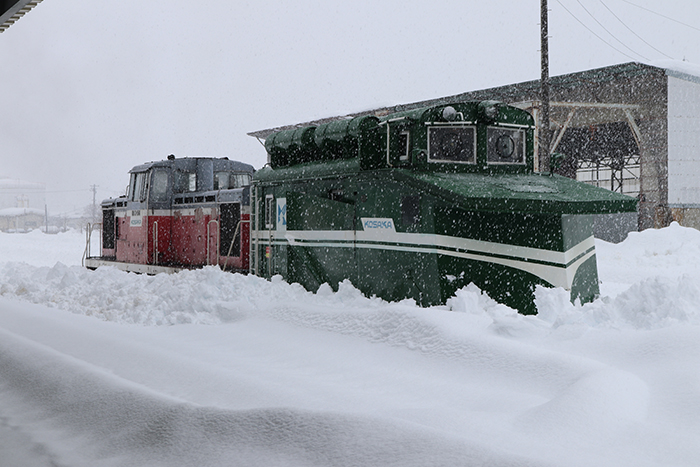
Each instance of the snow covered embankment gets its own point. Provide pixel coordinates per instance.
(546, 387)
(88, 417)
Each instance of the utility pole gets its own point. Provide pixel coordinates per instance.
(544, 134)
(94, 202)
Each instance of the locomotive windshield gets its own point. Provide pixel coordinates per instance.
(506, 145)
(452, 144)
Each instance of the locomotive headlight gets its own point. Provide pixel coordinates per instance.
(488, 110)
(491, 111)
(449, 113)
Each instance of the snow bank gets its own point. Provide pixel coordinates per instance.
(654, 276)
(227, 369)
(97, 418)
(659, 269)
(38, 249)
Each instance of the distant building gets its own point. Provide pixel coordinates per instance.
(21, 219)
(22, 205)
(630, 128)
(15, 193)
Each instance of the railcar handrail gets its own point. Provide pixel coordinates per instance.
(254, 243)
(155, 242)
(88, 237)
(212, 221)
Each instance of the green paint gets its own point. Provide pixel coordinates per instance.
(412, 206)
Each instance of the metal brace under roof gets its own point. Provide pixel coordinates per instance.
(11, 11)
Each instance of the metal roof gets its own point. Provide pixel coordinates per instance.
(12, 10)
(513, 94)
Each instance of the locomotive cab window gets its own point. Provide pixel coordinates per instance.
(159, 186)
(185, 182)
(241, 180)
(505, 145)
(138, 187)
(452, 144)
(228, 180)
(221, 181)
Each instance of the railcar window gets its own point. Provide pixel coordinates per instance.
(185, 182)
(452, 144)
(404, 145)
(269, 211)
(108, 226)
(506, 146)
(241, 180)
(159, 186)
(132, 184)
(228, 180)
(137, 187)
(221, 181)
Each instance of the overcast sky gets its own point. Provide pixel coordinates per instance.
(91, 88)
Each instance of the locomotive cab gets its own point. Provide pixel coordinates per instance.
(178, 213)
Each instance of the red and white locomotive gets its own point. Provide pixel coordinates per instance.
(179, 213)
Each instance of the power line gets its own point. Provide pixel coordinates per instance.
(630, 30)
(68, 191)
(663, 16)
(3, 190)
(593, 32)
(606, 30)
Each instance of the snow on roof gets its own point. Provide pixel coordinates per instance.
(14, 212)
(679, 69)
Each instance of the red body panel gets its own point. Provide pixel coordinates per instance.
(187, 238)
(132, 242)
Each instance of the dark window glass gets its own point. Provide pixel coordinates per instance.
(240, 180)
(159, 186)
(506, 146)
(108, 229)
(452, 144)
(228, 180)
(221, 181)
(270, 207)
(230, 229)
(403, 145)
(185, 182)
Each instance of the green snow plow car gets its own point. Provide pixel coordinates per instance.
(420, 203)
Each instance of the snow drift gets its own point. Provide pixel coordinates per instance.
(210, 368)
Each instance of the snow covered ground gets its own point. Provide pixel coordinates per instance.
(205, 368)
